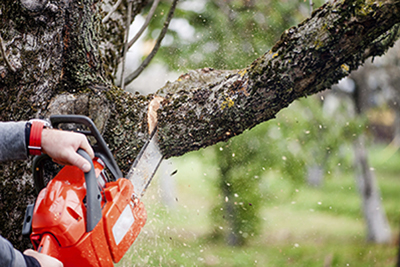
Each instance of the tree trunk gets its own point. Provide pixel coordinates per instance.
(378, 228)
(232, 216)
(315, 175)
(396, 126)
(56, 59)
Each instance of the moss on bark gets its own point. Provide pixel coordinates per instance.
(56, 56)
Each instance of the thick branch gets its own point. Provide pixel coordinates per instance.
(206, 106)
(307, 59)
(58, 70)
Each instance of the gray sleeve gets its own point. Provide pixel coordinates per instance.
(12, 141)
(10, 257)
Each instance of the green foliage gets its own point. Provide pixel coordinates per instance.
(237, 214)
(300, 225)
(231, 34)
(301, 135)
(227, 34)
(310, 134)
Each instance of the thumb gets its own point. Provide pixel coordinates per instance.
(44, 260)
(81, 163)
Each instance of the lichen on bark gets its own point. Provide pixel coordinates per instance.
(58, 62)
(307, 59)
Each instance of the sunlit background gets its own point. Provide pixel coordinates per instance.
(317, 186)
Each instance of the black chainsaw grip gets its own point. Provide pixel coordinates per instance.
(100, 149)
(93, 196)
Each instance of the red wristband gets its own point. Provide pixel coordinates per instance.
(35, 138)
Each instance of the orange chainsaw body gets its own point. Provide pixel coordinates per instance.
(59, 220)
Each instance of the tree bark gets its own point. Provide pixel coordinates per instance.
(56, 59)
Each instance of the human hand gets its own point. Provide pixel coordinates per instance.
(43, 259)
(61, 146)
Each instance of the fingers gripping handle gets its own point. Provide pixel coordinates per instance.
(101, 146)
(93, 196)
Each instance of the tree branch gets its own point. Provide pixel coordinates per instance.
(126, 47)
(153, 52)
(307, 59)
(114, 7)
(61, 72)
(145, 24)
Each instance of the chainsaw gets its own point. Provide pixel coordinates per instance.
(90, 219)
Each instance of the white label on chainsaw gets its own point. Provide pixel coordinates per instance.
(123, 224)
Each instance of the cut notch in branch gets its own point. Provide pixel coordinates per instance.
(154, 105)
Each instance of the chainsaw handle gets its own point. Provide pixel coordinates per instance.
(37, 171)
(48, 245)
(93, 196)
(101, 149)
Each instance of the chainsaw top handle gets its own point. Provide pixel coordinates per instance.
(93, 196)
(101, 149)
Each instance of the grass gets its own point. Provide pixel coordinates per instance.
(302, 226)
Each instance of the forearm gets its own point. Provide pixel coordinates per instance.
(12, 141)
(9, 256)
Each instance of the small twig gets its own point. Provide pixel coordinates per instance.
(114, 7)
(128, 25)
(146, 62)
(380, 45)
(3, 54)
(311, 7)
(145, 24)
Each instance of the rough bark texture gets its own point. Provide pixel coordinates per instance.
(53, 63)
(308, 58)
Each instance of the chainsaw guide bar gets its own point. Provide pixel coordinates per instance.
(145, 166)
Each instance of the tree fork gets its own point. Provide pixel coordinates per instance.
(54, 48)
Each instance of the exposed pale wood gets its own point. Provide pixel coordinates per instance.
(60, 69)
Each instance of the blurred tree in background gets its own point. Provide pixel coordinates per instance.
(55, 64)
(309, 141)
(301, 136)
(221, 34)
